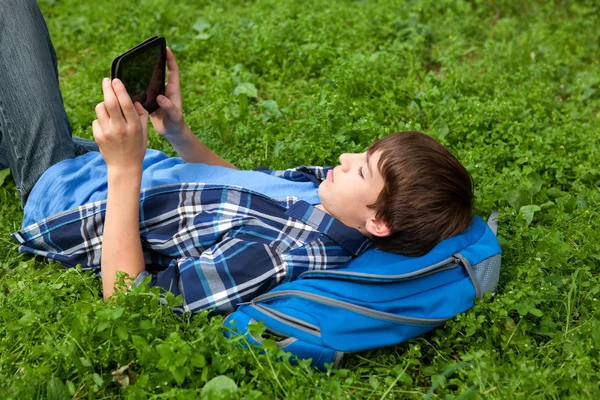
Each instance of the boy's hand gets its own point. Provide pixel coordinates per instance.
(168, 119)
(121, 130)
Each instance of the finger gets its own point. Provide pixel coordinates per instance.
(170, 108)
(124, 101)
(97, 130)
(172, 88)
(111, 102)
(102, 114)
(173, 69)
(140, 110)
(143, 115)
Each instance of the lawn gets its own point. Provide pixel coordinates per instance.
(511, 87)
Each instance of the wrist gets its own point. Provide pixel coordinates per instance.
(182, 136)
(120, 173)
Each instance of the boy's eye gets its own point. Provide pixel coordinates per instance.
(360, 172)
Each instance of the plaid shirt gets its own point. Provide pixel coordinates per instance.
(217, 245)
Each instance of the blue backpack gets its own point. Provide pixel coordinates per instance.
(378, 299)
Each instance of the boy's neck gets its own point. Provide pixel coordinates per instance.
(322, 208)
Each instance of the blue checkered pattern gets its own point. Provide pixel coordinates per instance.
(217, 245)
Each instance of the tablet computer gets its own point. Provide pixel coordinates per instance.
(142, 71)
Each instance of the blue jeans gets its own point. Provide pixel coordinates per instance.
(35, 132)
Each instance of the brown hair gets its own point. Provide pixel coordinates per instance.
(427, 196)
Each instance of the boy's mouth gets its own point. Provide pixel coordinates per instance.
(330, 175)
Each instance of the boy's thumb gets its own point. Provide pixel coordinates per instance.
(163, 101)
(167, 105)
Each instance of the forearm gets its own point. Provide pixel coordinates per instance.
(121, 245)
(192, 150)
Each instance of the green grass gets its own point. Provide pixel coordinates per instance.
(511, 87)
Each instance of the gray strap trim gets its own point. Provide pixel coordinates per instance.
(337, 359)
(442, 265)
(140, 278)
(290, 318)
(282, 344)
(287, 320)
(467, 265)
(493, 222)
(352, 307)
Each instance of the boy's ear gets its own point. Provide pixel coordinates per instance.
(377, 227)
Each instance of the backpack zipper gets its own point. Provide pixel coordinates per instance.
(349, 306)
(287, 320)
(444, 265)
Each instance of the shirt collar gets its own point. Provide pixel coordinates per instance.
(349, 238)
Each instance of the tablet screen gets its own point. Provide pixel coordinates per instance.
(143, 75)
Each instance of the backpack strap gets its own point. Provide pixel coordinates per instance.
(467, 265)
(485, 272)
(493, 222)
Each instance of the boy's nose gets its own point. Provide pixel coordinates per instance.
(344, 162)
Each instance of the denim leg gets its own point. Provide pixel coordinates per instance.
(34, 129)
(82, 146)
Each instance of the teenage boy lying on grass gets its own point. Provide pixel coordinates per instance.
(201, 228)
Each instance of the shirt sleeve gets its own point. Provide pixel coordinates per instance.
(228, 273)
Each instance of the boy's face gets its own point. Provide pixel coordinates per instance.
(350, 187)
